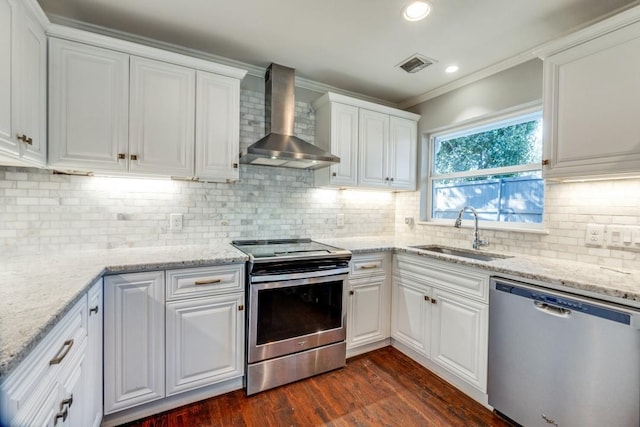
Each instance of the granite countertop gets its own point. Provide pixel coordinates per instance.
(37, 290)
(621, 286)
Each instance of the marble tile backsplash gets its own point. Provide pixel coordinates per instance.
(569, 207)
(40, 211)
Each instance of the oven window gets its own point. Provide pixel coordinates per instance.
(294, 311)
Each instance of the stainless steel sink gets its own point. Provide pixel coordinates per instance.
(480, 256)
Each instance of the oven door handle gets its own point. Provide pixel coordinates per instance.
(288, 277)
(296, 282)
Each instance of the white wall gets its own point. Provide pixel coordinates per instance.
(568, 207)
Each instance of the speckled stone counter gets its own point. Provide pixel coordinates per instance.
(37, 290)
(620, 286)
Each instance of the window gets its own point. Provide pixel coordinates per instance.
(494, 167)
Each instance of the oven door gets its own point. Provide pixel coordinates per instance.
(290, 316)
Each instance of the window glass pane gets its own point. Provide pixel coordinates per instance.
(506, 143)
(506, 198)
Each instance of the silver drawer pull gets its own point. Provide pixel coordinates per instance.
(368, 266)
(62, 415)
(62, 353)
(207, 282)
(68, 401)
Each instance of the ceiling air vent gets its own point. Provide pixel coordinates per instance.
(415, 63)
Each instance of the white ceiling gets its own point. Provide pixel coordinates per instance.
(354, 45)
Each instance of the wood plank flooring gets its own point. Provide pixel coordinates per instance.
(380, 388)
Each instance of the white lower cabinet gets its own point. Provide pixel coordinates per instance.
(93, 415)
(459, 336)
(203, 335)
(440, 311)
(50, 387)
(133, 339)
(157, 348)
(368, 305)
(411, 314)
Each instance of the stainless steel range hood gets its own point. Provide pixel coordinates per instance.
(280, 147)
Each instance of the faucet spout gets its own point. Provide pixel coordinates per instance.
(477, 242)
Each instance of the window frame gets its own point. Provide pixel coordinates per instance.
(479, 124)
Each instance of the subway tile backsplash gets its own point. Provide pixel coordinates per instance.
(42, 212)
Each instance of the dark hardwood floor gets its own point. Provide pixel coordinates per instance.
(381, 388)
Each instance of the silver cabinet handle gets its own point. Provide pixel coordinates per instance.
(207, 282)
(62, 415)
(368, 266)
(24, 138)
(62, 353)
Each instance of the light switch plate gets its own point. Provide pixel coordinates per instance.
(175, 222)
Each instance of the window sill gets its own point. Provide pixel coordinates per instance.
(488, 226)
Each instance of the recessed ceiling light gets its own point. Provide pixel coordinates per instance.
(451, 69)
(416, 10)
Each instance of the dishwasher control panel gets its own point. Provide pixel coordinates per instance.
(569, 304)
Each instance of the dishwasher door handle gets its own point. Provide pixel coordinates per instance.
(552, 310)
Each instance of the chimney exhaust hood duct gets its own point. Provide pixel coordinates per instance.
(280, 147)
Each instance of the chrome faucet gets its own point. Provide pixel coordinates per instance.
(477, 242)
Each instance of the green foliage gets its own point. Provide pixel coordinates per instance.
(507, 146)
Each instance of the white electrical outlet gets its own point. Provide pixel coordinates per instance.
(340, 220)
(175, 222)
(595, 235)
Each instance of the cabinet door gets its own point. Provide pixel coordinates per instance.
(89, 107)
(344, 144)
(73, 399)
(367, 319)
(133, 340)
(31, 93)
(8, 17)
(459, 337)
(162, 118)
(217, 127)
(22, 84)
(402, 153)
(411, 315)
(205, 341)
(374, 143)
(93, 406)
(592, 107)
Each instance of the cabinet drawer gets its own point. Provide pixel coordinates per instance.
(444, 275)
(52, 355)
(368, 265)
(203, 281)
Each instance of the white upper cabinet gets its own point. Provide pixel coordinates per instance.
(161, 118)
(403, 140)
(337, 132)
(591, 106)
(88, 107)
(377, 145)
(23, 75)
(374, 148)
(217, 127)
(122, 108)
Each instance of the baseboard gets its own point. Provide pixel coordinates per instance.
(171, 402)
(356, 351)
(461, 385)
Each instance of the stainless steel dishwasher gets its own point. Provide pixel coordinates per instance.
(561, 360)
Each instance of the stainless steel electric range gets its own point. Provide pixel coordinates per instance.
(296, 317)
